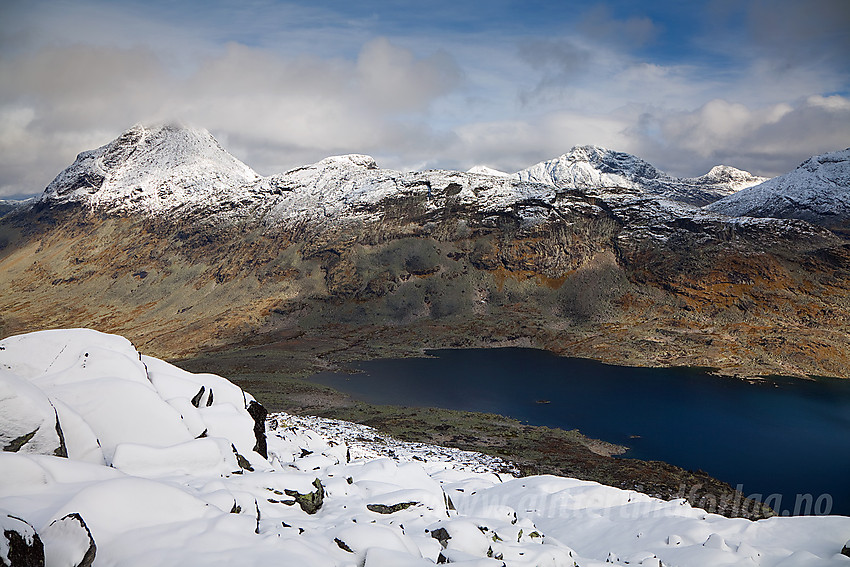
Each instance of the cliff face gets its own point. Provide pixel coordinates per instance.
(352, 260)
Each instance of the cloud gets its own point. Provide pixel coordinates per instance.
(600, 23)
(561, 59)
(782, 48)
(755, 84)
(393, 80)
(768, 140)
(282, 111)
(801, 33)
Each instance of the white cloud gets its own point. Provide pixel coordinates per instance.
(514, 145)
(766, 140)
(279, 109)
(302, 83)
(392, 79)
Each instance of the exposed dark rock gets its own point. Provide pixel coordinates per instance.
(61, 450)
(441, 535)
(25, 548)
(257, 508)
(846, 549)
(242, 461)
(384, 509)
(342, 545)
(15, 444)
(259, 413)
(196, 400)
(310, 502)
(449, 504)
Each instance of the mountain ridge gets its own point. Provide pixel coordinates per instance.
(818, 191)
(596, 169)
(324, 253)
(157, 169)
(164, 168)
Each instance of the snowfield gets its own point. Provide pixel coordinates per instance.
(115, 458)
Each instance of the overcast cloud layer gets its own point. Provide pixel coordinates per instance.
(760, 85)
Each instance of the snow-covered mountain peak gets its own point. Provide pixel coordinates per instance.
(601, 171)
(731, 175)
(350, 160)
(832, 165)
(617, 161)
(353, 162)
(585, 167)
(151, 168)
(817, 191)
(485, 170)
(591, 167)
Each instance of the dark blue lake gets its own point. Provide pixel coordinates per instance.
(784, 437)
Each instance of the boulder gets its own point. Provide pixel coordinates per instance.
(384, 509)
(28, 421)
(259, 413)
(310, 502)
(20, 546)
(68, 541)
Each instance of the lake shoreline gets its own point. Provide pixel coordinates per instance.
(533, 449)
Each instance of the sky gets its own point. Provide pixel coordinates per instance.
(756, 84)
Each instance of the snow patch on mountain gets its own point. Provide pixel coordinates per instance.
(178, 483)
(817, 191)
(596, 170)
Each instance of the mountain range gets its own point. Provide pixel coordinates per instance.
(165, 237)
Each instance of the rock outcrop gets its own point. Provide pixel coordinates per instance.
(21, 545)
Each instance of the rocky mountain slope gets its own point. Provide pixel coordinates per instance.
(165, 467)
(163, 236)
(9, 205)
(817, 191)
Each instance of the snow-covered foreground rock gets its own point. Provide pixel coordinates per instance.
(114, 458)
